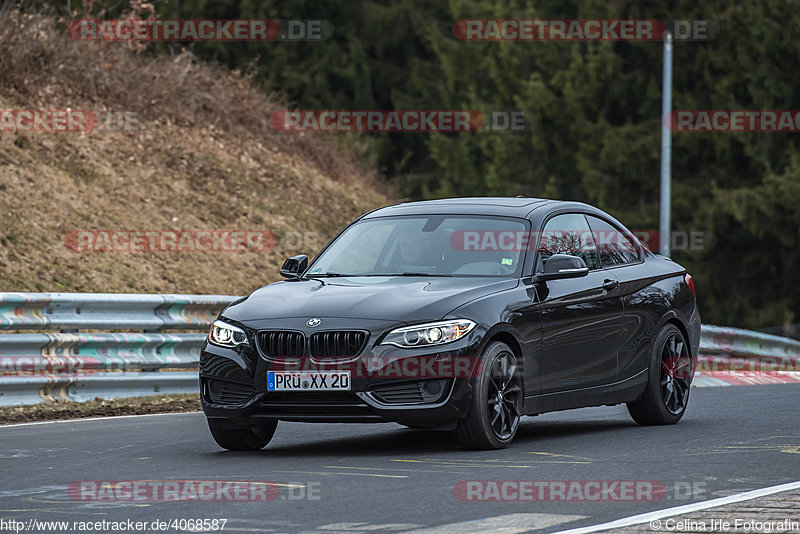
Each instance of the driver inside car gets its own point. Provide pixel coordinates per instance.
(413, 248)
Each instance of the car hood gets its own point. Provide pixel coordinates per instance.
(385, 298)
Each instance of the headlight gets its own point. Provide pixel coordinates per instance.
(429, 334)
(226, 335)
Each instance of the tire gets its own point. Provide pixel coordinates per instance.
(668, 381)
(235, 438)
(496, 406)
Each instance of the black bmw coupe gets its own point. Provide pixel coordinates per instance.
(459, 314)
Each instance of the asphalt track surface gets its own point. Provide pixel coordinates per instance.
(383, 478)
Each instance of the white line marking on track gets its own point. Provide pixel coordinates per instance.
(104, 418)
(501, 524)
(684, 509)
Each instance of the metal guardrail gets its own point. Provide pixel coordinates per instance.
(724, 349)
(56, 353)
(109, 311)
(738, 343)
(35, 389)
(40, 366)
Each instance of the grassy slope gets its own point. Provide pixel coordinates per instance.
(205, 157)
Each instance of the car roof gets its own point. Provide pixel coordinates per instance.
(508, 206)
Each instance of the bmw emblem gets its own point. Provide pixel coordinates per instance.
(313, 322)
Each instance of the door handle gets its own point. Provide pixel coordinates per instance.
(608, 285)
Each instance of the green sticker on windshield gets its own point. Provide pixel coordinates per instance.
(507, 261)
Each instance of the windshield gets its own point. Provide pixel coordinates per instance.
(434, 245)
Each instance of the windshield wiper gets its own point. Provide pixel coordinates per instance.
(335, 275)
(414, 274)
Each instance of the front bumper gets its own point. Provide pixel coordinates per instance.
(387, 385)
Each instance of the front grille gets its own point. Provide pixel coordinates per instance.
(281, 344)
(226, 392)
(337, 344)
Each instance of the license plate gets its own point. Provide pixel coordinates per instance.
(308, 381)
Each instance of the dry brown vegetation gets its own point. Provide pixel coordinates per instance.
(204, 157)
(60, 410)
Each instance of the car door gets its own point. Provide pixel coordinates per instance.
(621, 256)
(581, 317)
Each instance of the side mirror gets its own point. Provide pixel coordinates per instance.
(295, 266)
(560, 266)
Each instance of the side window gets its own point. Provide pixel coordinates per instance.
(568, 234)
(613, 245)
